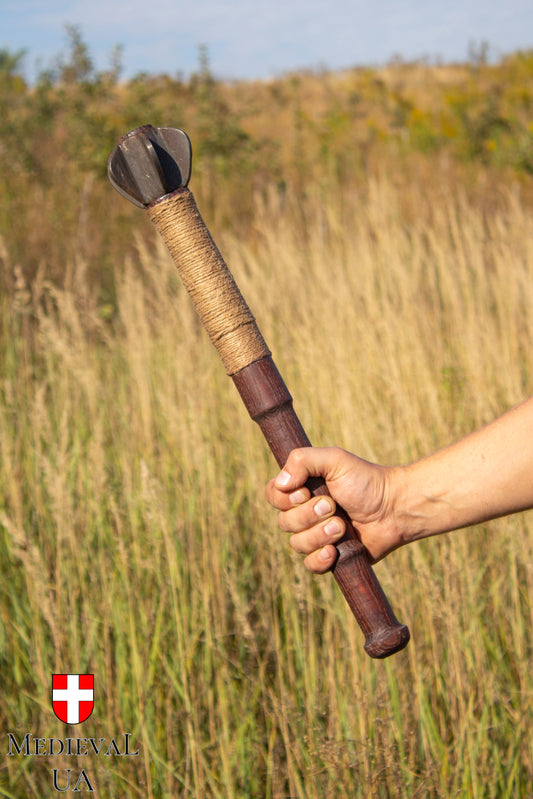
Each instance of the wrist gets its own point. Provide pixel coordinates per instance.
(418, 508)
(396, 524)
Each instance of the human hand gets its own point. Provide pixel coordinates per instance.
(363, 489)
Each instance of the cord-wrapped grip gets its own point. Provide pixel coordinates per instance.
(220, 305)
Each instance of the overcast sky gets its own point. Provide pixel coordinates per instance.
(262, 38)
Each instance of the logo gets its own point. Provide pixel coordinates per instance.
(73, 697)
(72, 703)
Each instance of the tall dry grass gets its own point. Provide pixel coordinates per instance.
(136, 543)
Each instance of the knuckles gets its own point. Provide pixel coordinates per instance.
(282, 524)
(296, 459)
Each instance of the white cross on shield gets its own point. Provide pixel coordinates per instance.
(73, 697)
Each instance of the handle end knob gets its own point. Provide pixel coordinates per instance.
(387, 641)
(384, 634)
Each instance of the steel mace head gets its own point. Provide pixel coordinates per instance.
(149, 162)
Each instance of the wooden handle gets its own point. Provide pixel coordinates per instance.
(234, 332)
(269, 403)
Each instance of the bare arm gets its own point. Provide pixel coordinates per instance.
(485, 475)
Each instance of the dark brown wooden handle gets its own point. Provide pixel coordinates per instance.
(269, 403)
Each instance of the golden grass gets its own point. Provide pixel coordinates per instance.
(136, 543)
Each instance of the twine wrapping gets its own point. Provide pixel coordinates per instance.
(220, 305)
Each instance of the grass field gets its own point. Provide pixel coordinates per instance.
(136, 543)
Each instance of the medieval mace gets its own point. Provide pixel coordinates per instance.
(151, 168)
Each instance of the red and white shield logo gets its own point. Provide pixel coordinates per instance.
(73, 697)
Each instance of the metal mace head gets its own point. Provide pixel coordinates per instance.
(149, 162)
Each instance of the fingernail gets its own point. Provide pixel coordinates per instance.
(332, 527)
(297, 497)
(283, 478)
(322, 507)
(324, 554)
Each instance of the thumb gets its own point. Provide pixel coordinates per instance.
(309, 462)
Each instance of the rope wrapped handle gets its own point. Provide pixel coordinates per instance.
(215, 295)
(233, 330)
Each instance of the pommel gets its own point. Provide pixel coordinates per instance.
(149, 163)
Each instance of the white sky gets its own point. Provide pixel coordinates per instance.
(260, 38)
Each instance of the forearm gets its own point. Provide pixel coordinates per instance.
(485, 475)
